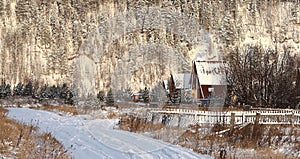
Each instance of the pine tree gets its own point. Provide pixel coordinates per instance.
(110, 98)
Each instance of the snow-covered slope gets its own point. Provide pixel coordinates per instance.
(93, 44)
(88, 138)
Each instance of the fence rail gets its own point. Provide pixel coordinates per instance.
(185, 117)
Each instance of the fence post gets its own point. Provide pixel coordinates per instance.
(232, 120)
(179, 120)
(256, 122)
(152, 117)
(293, 119)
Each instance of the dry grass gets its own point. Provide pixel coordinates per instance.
(68, 109)
(261, 153)
(263, 139)
(136, 124)
(250, 142)
(23, 141)
(111, 115)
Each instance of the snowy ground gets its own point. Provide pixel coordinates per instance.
(85, 137)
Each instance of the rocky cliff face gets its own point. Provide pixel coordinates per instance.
(123, 44)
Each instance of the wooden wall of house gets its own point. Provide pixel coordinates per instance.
(205, 91)
(219, 91)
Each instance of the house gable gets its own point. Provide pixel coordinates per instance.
(211, 72)
(181, 80)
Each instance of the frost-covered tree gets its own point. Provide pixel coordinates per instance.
(1, 7)
(45, 34)
(226, 30)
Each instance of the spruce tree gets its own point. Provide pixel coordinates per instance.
(28, 89)
(2, 91)
(63, 91)
(110, 98)
(69, 97)
(7, 90)
(54, 92)
(44, 92)
(18, 90)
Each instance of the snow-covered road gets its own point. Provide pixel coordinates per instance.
(88, 138)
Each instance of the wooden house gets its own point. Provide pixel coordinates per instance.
(175, 87)
(208, 80)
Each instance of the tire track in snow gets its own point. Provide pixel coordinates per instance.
(161, 150)
(133, 150)
(92, 138)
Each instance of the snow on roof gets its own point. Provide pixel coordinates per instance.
(211, 72)
(182, 80)
(166, 84)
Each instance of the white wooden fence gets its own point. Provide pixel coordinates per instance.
(185, 117)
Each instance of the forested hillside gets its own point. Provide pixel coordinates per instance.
(98, 44)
